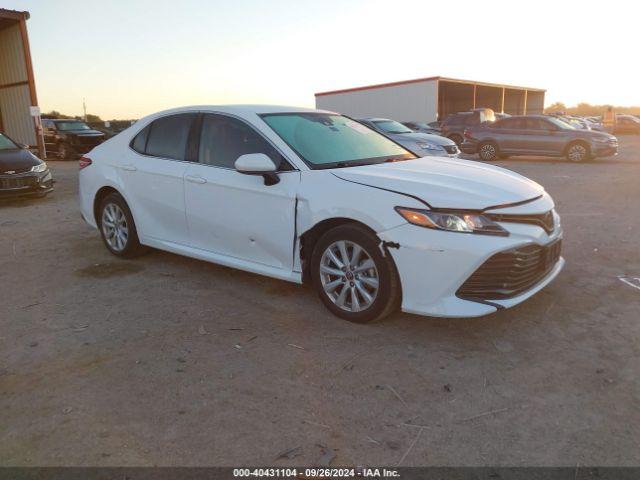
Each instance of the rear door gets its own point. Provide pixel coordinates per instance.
(509, 133)
(234, 214)
(153, 175)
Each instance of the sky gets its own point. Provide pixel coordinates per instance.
(129, 58)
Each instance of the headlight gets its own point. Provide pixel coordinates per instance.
(428, 146)
(41, 167)
(602, 139)
(464, 222)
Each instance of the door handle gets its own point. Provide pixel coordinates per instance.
(128, 168)
(195, 179)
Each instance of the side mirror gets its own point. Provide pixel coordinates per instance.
(258, 164)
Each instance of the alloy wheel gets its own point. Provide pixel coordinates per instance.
(114, 227)
(577, 153)
(488, 152)
(349, 276)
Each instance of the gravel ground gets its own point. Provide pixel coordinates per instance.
(165, 360)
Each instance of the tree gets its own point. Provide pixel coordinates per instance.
(556, 107)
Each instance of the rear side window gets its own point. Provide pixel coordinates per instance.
(223, 140)
(140, 141)
(167, 136)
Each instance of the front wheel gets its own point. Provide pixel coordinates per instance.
(488, 151)
(578, 152)
(353, 277)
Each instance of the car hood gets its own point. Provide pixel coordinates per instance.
(16, 160)
(421, 137)
(445, 183)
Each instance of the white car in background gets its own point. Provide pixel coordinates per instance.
(308, 195)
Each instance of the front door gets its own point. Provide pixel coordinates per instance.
(237, 215)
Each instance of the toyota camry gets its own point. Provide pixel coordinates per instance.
(312, 196)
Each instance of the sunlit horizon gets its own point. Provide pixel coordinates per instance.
(129, 59)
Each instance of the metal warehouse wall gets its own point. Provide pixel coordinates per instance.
(413, 101)
(15, 100)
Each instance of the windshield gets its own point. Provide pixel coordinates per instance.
(420, 125)
(6, 143)
(391, 126)
(71, 125)
(559, 123)
(328, 141)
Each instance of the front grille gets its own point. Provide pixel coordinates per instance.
(7, 183)
(15, 171)
(508, 274)
(451, 149)
(544, 220)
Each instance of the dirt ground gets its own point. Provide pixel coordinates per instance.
(165, 360)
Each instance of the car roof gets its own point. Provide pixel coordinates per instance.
(243, 109)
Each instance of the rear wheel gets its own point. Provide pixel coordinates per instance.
(488, 151)
(353, 278)
(117, 227)
(578, 152)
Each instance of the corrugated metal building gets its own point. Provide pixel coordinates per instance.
(17, 84)
(429, 99)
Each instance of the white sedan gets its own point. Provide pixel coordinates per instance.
(312, 196)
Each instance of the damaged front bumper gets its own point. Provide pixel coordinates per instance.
(433, 264)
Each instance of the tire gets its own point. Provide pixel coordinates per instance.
(121, 239)
(344, 292)
(457, 139)
(578, 152)
(488, 151)
(65, 151)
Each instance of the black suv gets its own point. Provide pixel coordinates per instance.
(68, 138)
(454, 125)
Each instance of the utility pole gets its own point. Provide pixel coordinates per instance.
(84, 108)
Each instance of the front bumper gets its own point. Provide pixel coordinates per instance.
(433, 265)
(605, 150)
(26, 184)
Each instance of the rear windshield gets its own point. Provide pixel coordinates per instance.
(6, 143)
(325, 140)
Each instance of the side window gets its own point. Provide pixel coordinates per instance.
(167, 137)
(140, 141)
(224, 139)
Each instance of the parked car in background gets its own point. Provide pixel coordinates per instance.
(626, 124)
(421, 144)
(537, 135)
(454, 125)
(423, 127)
(21, 172)
(312, 196)
(68, 138)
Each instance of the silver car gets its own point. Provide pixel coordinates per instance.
(421, 144)
(537, 135)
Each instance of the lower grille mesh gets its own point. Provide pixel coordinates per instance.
(508, 274)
